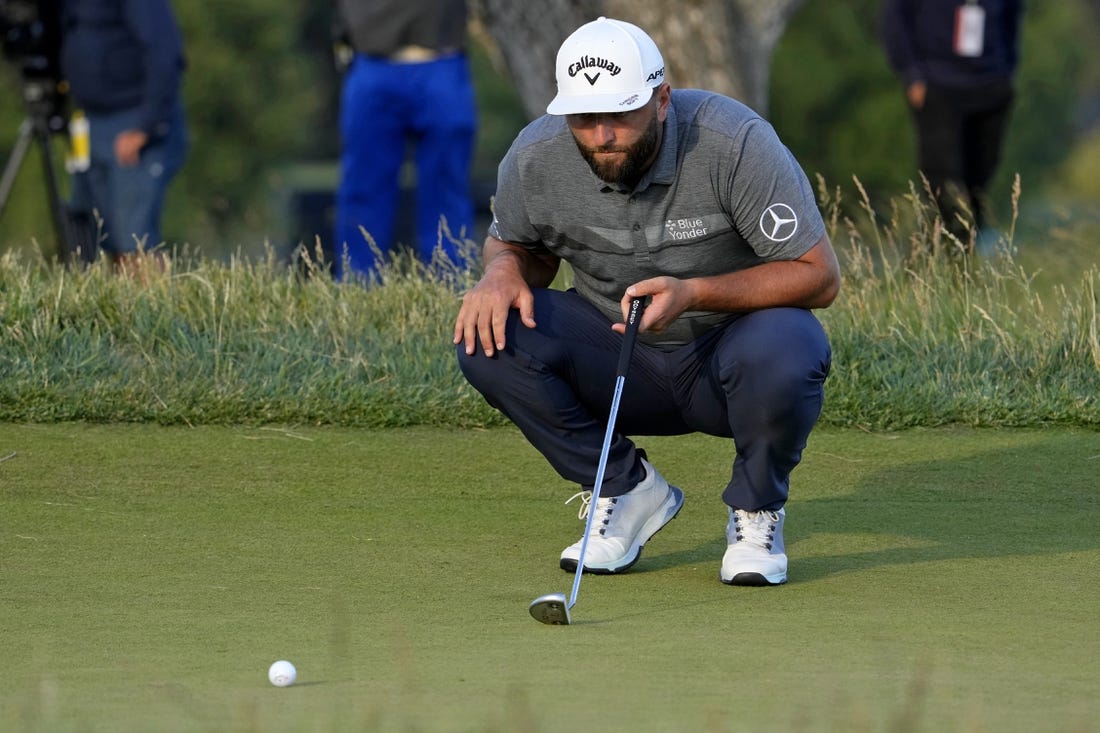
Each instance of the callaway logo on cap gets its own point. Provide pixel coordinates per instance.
(606, 66)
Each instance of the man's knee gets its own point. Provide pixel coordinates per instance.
(479, 369)
(778, 346)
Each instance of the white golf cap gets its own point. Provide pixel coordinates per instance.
(606, 66)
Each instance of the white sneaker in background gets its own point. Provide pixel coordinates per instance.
(755, 554)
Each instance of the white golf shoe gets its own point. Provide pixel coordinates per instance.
(755, 554)
(623, 524)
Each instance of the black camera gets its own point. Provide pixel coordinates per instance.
(30, 37)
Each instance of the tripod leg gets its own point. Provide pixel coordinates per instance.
(11, 169)
(57, 210)
(30, 132)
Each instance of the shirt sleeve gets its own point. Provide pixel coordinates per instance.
(1014, 12)
(153, 24)
(511, 222)
(897, 37)
(770, 197)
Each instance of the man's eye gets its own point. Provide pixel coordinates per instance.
(591, 118)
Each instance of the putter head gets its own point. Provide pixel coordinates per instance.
(551, 609)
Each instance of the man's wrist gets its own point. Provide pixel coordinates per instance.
(503, 257)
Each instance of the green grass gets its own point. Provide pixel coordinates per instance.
(940, 580)
(163, 539)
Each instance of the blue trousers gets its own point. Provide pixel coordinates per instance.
(384, 107)
(758, 380)
(128, 199)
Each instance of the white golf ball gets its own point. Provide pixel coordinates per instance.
(282, 673)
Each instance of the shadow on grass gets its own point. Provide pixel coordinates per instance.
(1038, 499)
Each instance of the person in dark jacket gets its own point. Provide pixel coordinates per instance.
(124, 62)
(957, 60)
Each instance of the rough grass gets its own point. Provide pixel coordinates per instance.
(926, 332)
(239, 342)
(923, 334)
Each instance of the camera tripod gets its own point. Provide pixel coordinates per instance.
(36, 129)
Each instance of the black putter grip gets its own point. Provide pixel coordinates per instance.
(633, 318)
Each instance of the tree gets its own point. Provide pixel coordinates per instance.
(526, 41)
(722, 45)
(253, 97)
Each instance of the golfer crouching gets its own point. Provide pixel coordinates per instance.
(688, 199)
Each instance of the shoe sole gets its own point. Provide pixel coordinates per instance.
(652, 526)
(754, 580)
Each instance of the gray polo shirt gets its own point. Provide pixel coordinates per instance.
(723, 195)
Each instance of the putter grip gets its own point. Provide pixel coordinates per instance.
(633, 318)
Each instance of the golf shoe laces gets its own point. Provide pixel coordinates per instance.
(604, 508)
(586, 501)
(756, 528)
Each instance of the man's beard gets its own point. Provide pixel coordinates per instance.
(633, 167)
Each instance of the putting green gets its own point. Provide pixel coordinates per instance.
(940, 580)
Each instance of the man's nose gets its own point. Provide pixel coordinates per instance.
(604, 131)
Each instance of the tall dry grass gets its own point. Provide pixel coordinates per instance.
(924, 332)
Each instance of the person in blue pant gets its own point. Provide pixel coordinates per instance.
(408, 84)
(688, 199)
(124, 62)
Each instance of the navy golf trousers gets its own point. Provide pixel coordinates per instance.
(758, 380)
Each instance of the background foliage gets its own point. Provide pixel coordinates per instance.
(261, 97)
(839, 107)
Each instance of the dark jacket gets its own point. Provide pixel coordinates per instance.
(378, 28)
(122, 55)
(918, 37)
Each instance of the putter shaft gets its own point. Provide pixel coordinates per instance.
(553, 608)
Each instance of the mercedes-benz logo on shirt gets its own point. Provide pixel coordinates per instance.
(778, 222)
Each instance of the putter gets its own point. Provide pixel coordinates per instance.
(553, 608)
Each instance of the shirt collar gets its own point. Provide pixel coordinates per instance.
(663, 170)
